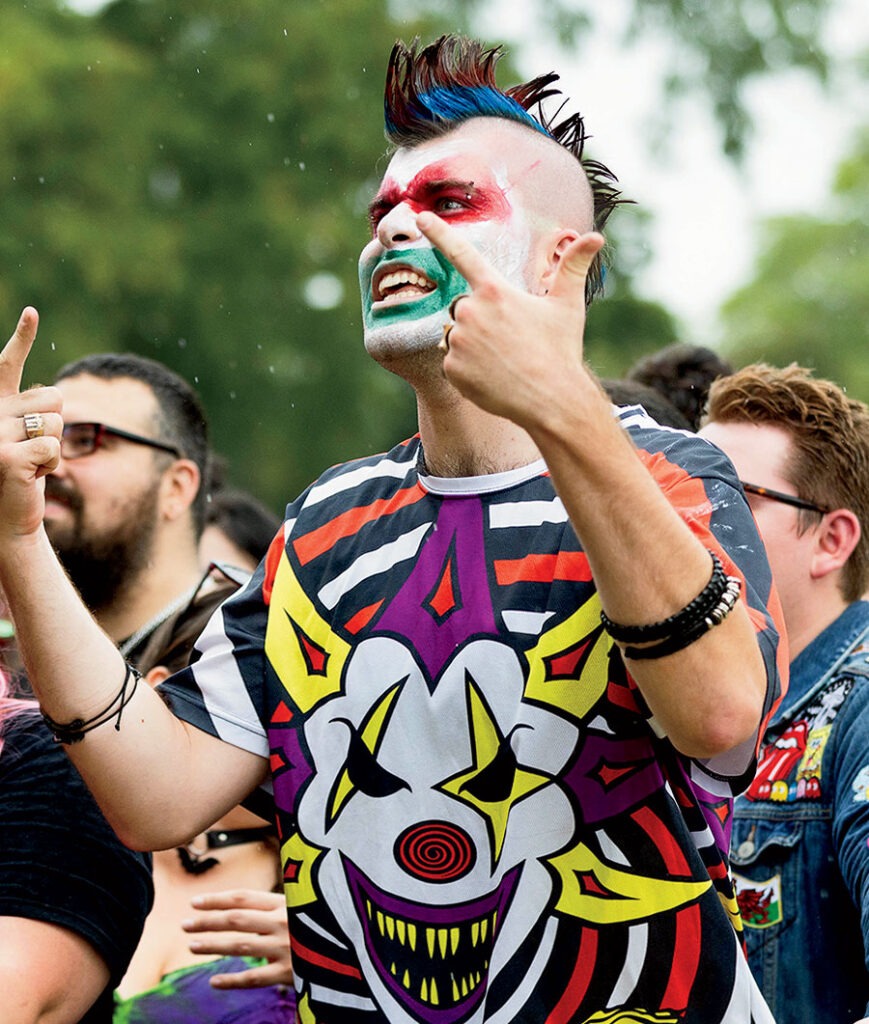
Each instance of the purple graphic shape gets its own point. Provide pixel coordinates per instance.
(707, 802)
(455, 543)
(289, 777)
(610, 777)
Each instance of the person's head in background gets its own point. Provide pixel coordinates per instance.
(805, 444)
(631, 392)
(238, 530)
(683, 374)
(127, 495)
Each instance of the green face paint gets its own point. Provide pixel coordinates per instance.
(448, 281)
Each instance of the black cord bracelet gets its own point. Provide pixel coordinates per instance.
(682, 621)
(74, 731)
(679, 641)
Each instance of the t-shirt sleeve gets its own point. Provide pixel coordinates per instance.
(60, 861)
(701, 484)
(222, 690)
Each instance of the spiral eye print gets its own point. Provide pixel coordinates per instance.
(435, 851)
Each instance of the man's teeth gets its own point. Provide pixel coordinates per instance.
(402, 278)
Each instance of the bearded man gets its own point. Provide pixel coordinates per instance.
(125, 505)
(505, 678)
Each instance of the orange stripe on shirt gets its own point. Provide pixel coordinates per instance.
(273, 558)
(348, 523)
(566, 565)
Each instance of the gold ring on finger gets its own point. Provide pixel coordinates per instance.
(34, 425)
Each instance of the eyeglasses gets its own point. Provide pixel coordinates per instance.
(785, 499)
(80, 439)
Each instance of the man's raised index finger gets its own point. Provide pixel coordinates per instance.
(469, 262)
(16, 351)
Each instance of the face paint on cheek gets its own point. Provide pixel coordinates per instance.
(448, 281)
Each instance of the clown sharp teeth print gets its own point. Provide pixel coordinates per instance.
(430, 957)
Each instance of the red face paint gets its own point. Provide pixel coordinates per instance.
(437, 188)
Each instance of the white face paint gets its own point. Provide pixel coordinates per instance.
(406, 284)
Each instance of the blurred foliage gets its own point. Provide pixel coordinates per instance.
(715, 49)
(808, 301)
(190, 180)
(731, 42)
(622, 326)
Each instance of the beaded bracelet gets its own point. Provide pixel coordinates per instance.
(693, 612)
(74, 731)
(679, 641)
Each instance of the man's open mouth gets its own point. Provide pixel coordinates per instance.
(394, 284)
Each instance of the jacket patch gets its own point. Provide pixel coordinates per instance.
(860, 785)
(790, 766)
(760, 903)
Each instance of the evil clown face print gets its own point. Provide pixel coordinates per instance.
(438, 894)
(406, 284)
(459, 816)
(429, 778)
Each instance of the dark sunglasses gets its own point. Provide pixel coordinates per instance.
(80, 439)
(785, 499)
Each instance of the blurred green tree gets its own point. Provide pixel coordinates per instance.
(191, 182)
(808, 301)
(622, 325)
(714, 49)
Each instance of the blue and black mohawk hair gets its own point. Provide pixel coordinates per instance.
(431, 90)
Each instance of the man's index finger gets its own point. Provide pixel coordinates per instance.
(16, 350)
(469, 262)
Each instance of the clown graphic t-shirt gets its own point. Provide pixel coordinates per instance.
(480, 820)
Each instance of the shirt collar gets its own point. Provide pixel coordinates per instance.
(814, 665)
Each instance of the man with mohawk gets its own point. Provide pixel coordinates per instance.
(506, 678)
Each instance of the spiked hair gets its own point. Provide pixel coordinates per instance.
(431, 90)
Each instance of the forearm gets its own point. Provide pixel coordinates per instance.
(134, 763)
(518, 355)
(648, 564)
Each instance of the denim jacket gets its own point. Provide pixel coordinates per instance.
(800, 833)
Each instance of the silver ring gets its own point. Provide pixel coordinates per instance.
(34, 425)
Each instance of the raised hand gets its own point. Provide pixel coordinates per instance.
(30, 429)
(508, 347)
(244, 922)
